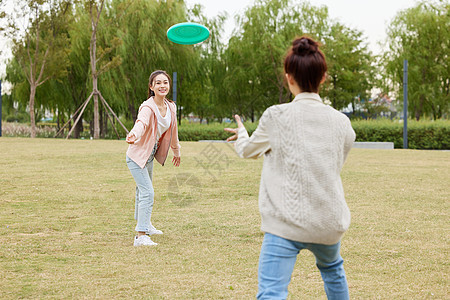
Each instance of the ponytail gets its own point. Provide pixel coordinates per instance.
(306, 63)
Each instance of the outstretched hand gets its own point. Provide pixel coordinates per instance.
(234, 130)
(131, 138)
(176, 161)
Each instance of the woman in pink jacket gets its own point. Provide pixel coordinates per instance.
(154, 132)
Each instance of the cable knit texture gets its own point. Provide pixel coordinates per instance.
(301, 196)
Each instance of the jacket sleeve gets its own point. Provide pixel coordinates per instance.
(257, 144)
(142, 122)
(175, 143)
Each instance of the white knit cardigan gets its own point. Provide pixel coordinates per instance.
(305, 144)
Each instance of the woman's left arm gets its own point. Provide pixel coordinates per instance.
(175, 143)
(349, 139)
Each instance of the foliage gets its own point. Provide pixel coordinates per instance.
(14, 129)
(214, 131)
(350, 70)
(255, 53)
(218, 78)
(39, 49)
(421, 134)
(257, 50)
(208, 95)
(421, 35)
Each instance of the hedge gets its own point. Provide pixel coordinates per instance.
(196, 132)
(421, 134)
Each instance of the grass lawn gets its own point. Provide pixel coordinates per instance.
(67, 227)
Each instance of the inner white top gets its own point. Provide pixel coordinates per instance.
(163, 122)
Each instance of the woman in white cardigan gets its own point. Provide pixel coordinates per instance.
(301, 198)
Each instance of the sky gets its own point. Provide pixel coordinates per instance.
(369, 16)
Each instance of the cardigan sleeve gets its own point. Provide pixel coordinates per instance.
(257, 144)
(142, 122)
(349, 139)
(175, 144)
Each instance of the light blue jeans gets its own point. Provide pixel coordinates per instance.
(277, 260)
(144, 192)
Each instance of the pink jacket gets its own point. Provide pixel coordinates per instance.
(145, 130)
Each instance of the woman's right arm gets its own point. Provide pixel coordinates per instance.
(254, 146)
(141, 124)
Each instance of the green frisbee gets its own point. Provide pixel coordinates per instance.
(187, 33)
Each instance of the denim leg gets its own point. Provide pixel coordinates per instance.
(330, 264)
(136, 204)
(276, 263)
(149, 167)
(144, 193)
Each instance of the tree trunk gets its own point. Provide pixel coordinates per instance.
(419, 110)
(131, 108)
(91, 128)
(103, 123)
(58, 126)
(78, 129)
(93, 54)
(96, 118)
(31, 105)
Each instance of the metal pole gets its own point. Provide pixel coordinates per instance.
(0, 108)
(174, 91)
(405, 104)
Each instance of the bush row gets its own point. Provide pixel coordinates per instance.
(196, 132)
(421, 134)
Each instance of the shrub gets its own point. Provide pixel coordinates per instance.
(20, 117)
(13, 129)
(421, 134)
(196, 132)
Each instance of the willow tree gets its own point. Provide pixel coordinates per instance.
(267, 30)
(40, 46)
(257, 49)
(98, 65)
(208, 94)
(95, 9)
(145, 48)
(350, 66)
(421, 35)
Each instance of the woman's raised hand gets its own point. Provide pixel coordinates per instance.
(234, 130)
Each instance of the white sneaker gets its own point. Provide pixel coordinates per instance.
(153, 230)
(144, 240)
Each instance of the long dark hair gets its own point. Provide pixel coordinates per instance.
(306, 63)
(152, 78)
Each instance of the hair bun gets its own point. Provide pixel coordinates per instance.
(304, 46)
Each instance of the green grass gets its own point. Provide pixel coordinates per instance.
(66, 224)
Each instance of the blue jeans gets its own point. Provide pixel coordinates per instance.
(277, 260)
(144, 192)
